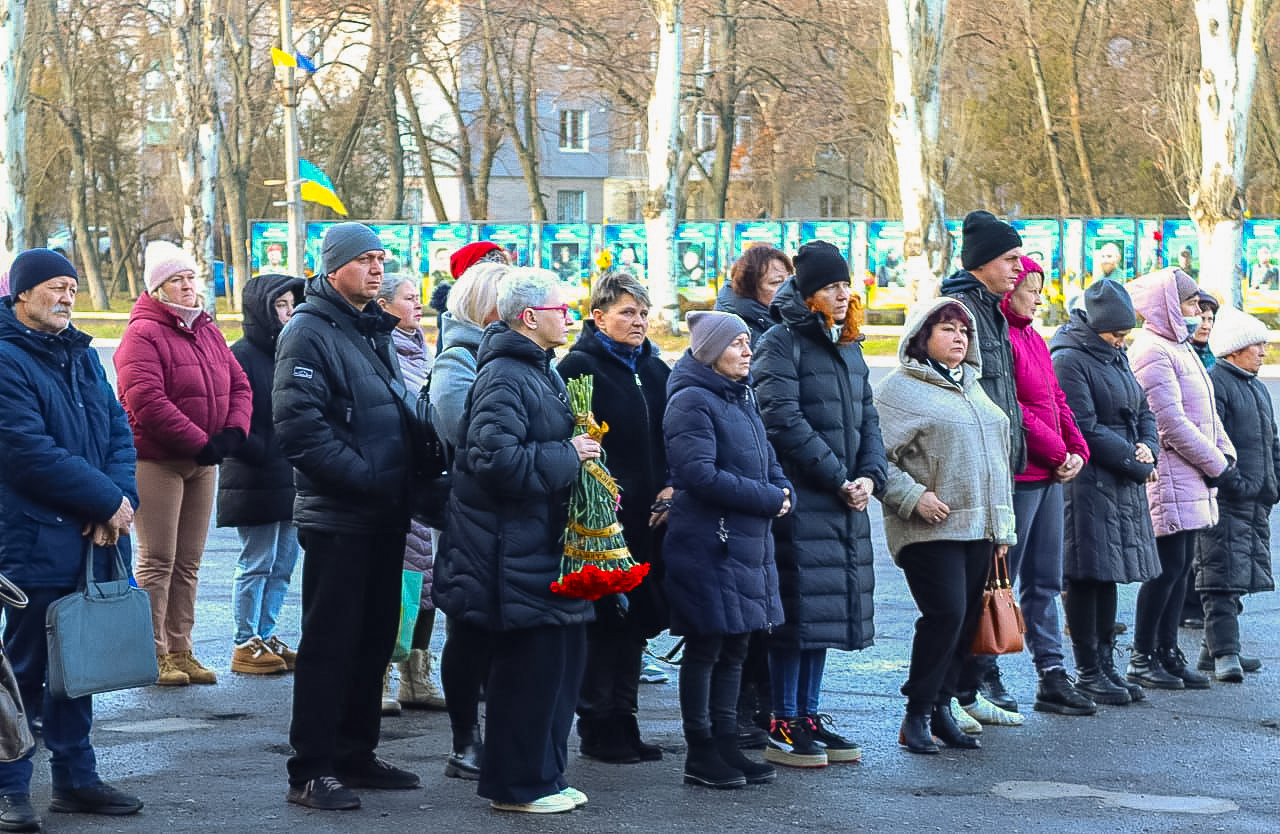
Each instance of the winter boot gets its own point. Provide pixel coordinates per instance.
(1093, 683)
(417, 689)
(1146, 670)
(750, 735)
(1175, 663)
(756, 773)
(1206, 664)
(1107, 664)
(1228, 669)
(1056, 694)
(603, 740)
(992, 687)
(391, 690)
(631, 735)
(942, 724)
(704, 765)
(915, 736)
(464, 758)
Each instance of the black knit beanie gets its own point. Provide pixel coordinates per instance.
(818, 264)
(986, 237)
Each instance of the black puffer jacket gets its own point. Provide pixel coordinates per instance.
(755, 314)
(824, 427)
(1235, 554)
(255, 486)
(632, 403)
(1107, 529)
(997, 356)
(501, 549)
(337, 420)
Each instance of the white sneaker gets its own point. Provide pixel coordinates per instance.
(968, 724)
(578, 797)
(391, 690)
(988, 713)
(556, 803)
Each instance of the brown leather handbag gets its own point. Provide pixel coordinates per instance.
(15, 733)
(1000, 625)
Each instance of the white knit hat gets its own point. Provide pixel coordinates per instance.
(1234, 330)
(162, 261)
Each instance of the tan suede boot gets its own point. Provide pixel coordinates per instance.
(417, 689)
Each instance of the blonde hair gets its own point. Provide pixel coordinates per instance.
(475, 295)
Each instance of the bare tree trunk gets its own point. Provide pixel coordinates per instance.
(725, 103)
(15, 76)
(916, 43)
(197, 135)
(661, 153)
(518, 97)
(1073, 104)
(1046, 116)
(424, 149)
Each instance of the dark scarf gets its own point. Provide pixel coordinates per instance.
(625, 354)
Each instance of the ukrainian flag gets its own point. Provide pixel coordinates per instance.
(316, 187)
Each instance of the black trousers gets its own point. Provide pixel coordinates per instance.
(350, 617)
(1090, 606)
(464, 666)
(530, 697)
(1159, 608)
(710, 676)
(946, 579)
(611, 680)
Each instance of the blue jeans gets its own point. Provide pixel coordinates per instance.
(795, 676)
(268, 554)
(1036, 562)
(66, 721)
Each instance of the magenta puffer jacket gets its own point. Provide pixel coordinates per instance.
(1051, 428)
(1193, 444)
(178, 385)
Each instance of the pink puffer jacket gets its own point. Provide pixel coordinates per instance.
(1193, 444)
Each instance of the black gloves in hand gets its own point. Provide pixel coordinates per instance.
(221, 445)
(1223, 477)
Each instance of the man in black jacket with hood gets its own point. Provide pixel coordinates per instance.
(991, 256)
(343, 426)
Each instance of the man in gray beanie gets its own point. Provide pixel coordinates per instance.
(991, 256)
(340, 417)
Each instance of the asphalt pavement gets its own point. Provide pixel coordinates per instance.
(212, 758)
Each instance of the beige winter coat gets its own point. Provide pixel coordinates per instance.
(946, 437)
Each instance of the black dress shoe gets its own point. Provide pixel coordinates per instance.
(942, 724)
(98, 798)
(378, 775)
(16, 813)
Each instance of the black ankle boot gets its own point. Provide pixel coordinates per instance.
(704, 766)
(1146, 670)
(464, 759)
(756, 773)
(1175, 663)
(631, 735)
(603, 740)
(1056, 694)
(915, 736)
(992, 687)
(1107, 665)
(943, 725)
(1092, 682)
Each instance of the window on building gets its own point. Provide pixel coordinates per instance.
(635, 206)
(829, 206)
(573, 130)
(571, 206)
(706, 131)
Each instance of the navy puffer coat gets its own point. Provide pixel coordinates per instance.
(500, 551)
(721, 577)
(1108, 533)
(817, 404)
(1235, 554)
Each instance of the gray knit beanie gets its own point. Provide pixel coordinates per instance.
(343, 243)
(710, 332)
(1108, 307)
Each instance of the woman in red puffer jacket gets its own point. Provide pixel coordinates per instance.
(1056, 452)
(189, 403)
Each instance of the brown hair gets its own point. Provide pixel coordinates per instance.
(746, 272)
(918, 345)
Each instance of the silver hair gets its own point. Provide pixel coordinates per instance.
(391, 283)
(524, 287)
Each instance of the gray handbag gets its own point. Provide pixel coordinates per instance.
(16, 740)
(100, 637)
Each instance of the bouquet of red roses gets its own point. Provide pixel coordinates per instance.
(596, 560)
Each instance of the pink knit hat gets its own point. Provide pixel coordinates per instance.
(162, 261)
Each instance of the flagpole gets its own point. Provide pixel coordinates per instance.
(293, 186)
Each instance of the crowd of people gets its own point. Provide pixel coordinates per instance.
(747, 468)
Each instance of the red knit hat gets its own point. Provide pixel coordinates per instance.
(470, 255)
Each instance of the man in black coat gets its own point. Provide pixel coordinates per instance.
(991, 256)
(343, 427)
(502, 547)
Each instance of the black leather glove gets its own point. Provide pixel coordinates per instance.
(229, 441)
(1223, 477)
(209, 454)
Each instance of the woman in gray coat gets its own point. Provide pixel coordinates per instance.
(1108, 533)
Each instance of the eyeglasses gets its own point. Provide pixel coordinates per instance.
(563, 308)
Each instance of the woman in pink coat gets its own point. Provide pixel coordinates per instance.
(1056, 452)
(1194, 453)
(189, 403)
